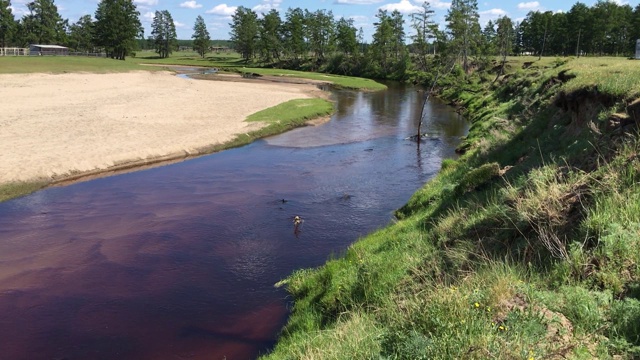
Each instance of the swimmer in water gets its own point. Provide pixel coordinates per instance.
(296, 224)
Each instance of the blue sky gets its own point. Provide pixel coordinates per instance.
(217, 14)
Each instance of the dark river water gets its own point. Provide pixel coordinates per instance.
(179, 261)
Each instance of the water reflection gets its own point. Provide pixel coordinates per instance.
(179, 261)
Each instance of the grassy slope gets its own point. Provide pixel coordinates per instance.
(527, 247)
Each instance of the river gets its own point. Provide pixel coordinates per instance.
(179, 261)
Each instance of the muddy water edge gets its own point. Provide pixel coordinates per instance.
(179, 261)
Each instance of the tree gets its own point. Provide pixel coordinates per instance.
(423, 25)
(635, 26)
(81, 34)
(382, 44)
(117, 27)
(7, 22)
(43, 24)
(398, 35)
(346, 37)
(201, 37)
(244, 31)
(489, 35)
(504, 40)
(163, 33)
(270, 43)
(462, 22)
(579, 23)
(294, 33)
(320, 31)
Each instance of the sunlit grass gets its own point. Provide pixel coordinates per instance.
(232, 62)
(13, 190)
(294, 111)
(65, 64)
(526, 247)
(616, 77)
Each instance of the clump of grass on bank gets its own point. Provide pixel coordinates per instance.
(526, 247)
(280, 118)
(13, 190)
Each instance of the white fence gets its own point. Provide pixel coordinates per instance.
(13, 51)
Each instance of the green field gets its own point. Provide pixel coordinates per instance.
(231, 62)
(64, 64)
(226, 62)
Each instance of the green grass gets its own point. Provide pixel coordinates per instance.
(280, 118)
(13, 190)
(526, 247)
(232, 62)
(347, 82)
(65, 64)
(616, 77)
(293, 111)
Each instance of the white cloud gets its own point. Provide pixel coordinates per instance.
(146, 2)
(621, 2)
(437, 4)
(404, 6)
(491, 14)
(357, 2)
(18, 12)
(178, 24)
(266, 6)
(360, 21)
(222, 10)
(532, 5)
(148, 16)
(192, 4)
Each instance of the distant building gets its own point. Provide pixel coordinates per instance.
(36, 49)
(219, 49)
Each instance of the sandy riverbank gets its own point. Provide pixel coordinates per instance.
(56, 126)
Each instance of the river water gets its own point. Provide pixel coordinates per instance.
(179, 261)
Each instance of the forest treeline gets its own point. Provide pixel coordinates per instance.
(401, 47)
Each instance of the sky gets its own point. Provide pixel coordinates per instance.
(217, 14)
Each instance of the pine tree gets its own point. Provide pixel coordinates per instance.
(163, 33)
(295, 33)
(43, 24)
(270, 43)
(422, 24)
(201, 37)
(7, 22)
(117, 27)
(244, 31)
(81, 34)
(504, 40)
(463, 25)
(346, 38)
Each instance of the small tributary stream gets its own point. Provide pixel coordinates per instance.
(179, 261)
